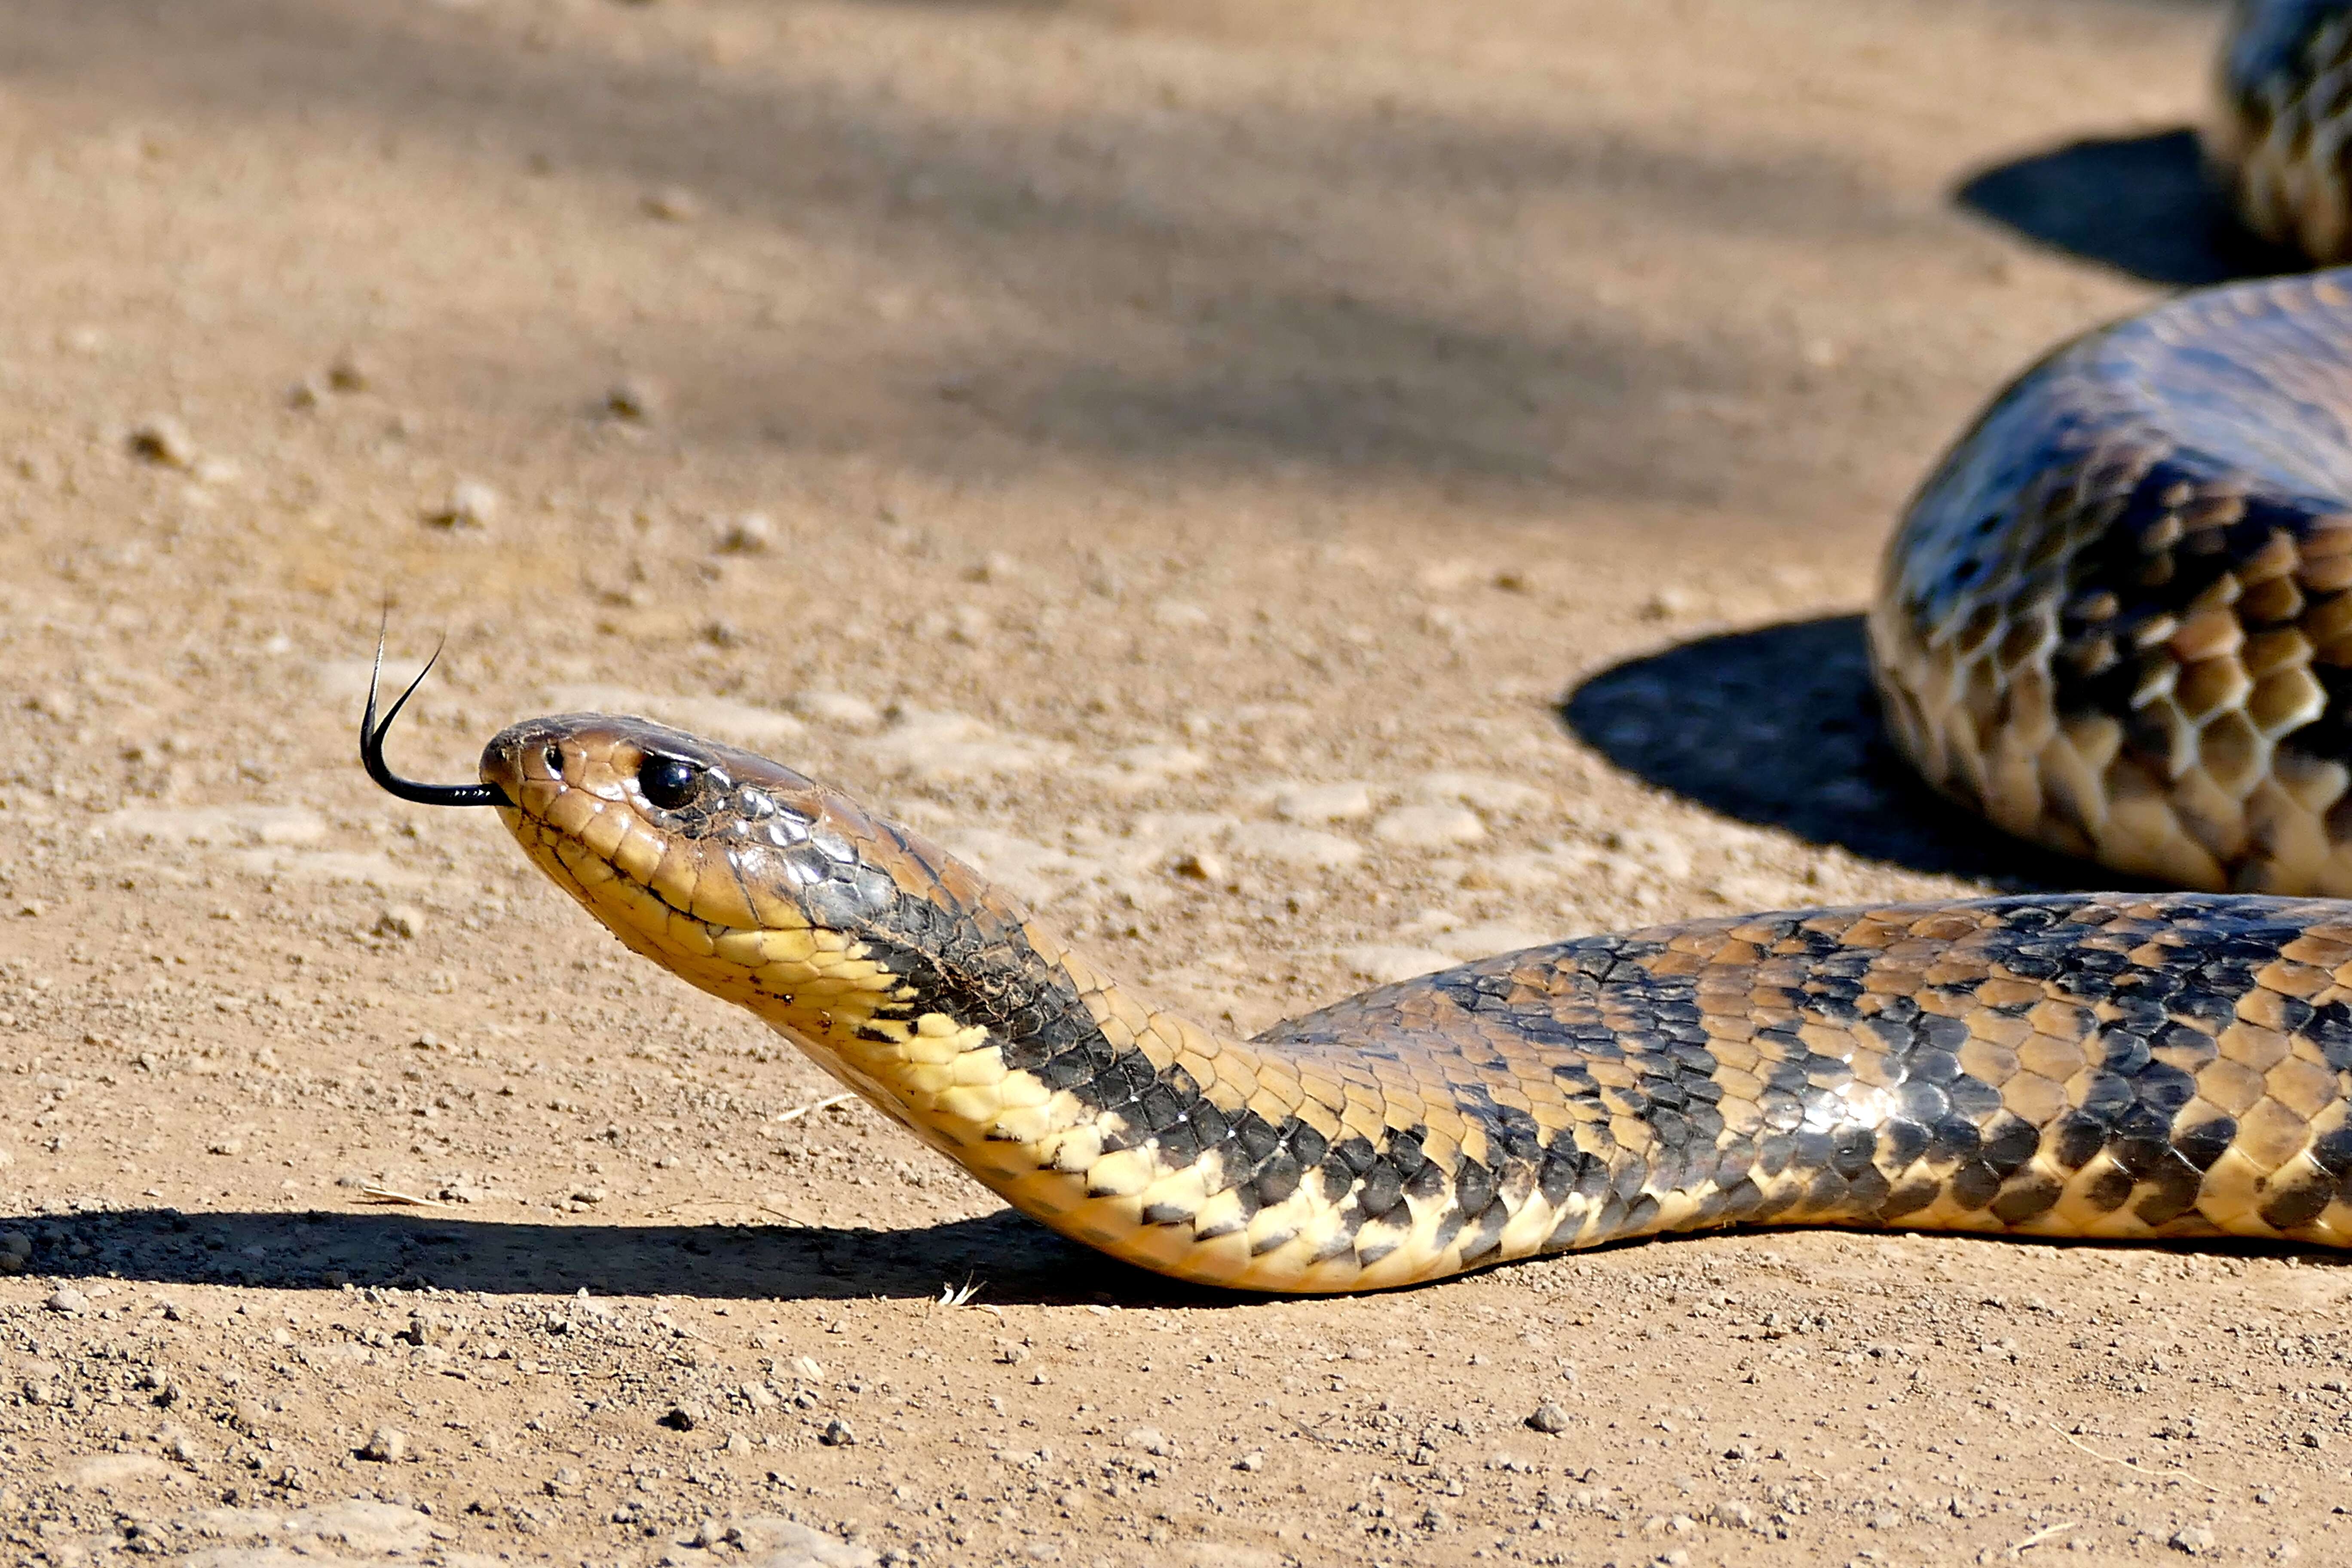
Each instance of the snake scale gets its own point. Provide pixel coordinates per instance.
(2117, 619)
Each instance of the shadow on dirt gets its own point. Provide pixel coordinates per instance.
(1010, 1258)
(1261, 283)
(2141, 205)
(1779, 726)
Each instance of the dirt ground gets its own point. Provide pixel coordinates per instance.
(1306, 492)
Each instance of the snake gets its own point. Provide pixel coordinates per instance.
(2116, 620)
(2280, 140)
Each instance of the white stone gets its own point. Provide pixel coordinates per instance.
(1177, 615)
(753, 534)
(1484, 791)
(1290, 846)
(1136, 768)
(773, 1543)
(366, 1525)
(1429, 826)
(470, 504)
(234, 1523)
(1345, 802)
(105, 1470)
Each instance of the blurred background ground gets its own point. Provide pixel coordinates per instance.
(1307, 493)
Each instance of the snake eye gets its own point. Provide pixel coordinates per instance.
(554, 755)
(666, 781)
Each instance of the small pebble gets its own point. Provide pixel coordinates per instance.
(589, 1195)
(385, 1446)
(2192, 1539)
(1149, 1440)
(471, 504)
(1324, 803)
(402, 921)
(1199, 866)
(1548, 1418)
(66, 1299)
(752, 533)
(635, 397)
(1667, 604)
(1177, 616)
(837, 1434)
(163, 440)
(1252, 1463)
(684, 1417)
(349, 372)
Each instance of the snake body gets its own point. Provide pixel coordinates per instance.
(2081, 1065)
(2117, 619)
(2282, 138)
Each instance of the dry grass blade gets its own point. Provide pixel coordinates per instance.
(2038, 1536)
(962, 1296)
(797, 1111)
(2134, 1465)
(376, 1195)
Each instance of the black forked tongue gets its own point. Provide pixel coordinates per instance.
(372, 734)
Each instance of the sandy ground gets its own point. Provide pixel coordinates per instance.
(1306, 491)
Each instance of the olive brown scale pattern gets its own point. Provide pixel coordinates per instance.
(2118, 1066)
(2117, 617)
(2282, 136)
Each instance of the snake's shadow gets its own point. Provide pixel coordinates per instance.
(1779, 726)
(1012, 1258)
(2142, 205)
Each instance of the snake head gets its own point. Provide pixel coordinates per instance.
(715, 834)
(742, 876)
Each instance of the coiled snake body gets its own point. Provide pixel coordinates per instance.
(2118, 620)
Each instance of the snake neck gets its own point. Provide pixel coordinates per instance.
(1116, 1122)
(948, 1007)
